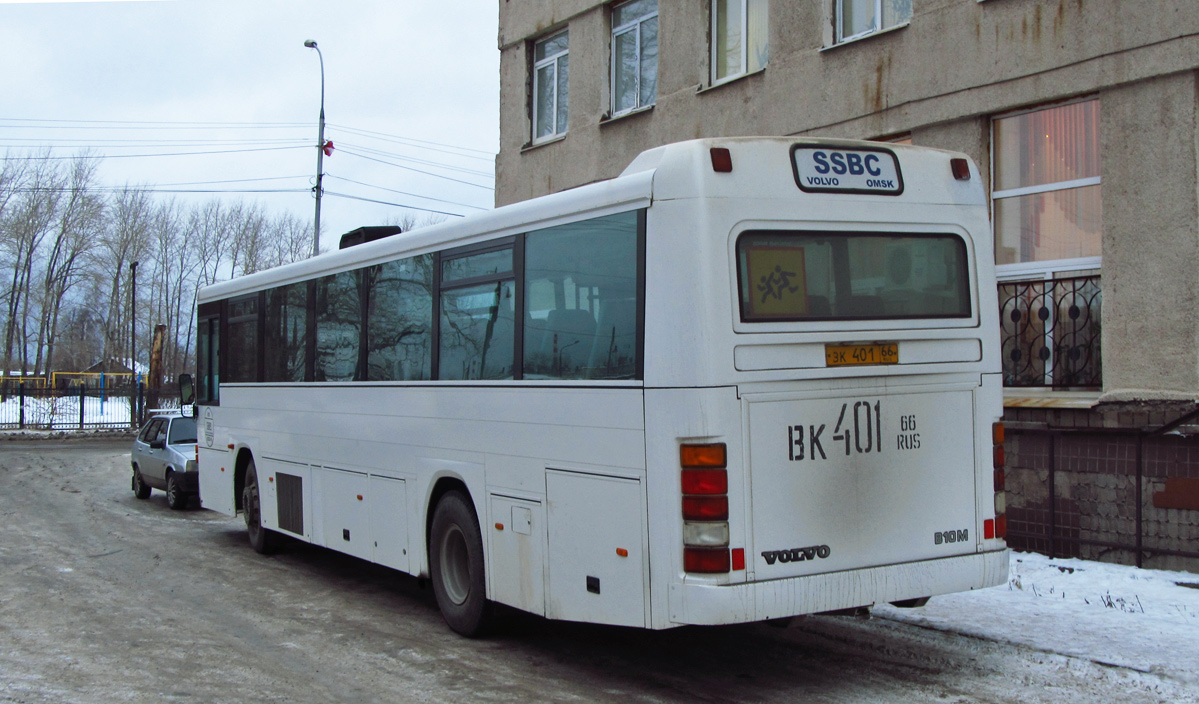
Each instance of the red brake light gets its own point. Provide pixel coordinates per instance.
(705, 481)
(1001, 526)
(705, 508)
(960, 168)
(722, 160)
(706, 560)
(1000, 479)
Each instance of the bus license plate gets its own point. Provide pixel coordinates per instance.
(849, 355)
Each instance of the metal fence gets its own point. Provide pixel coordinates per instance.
(78, 408)
(1050, 332)
(1089, 493)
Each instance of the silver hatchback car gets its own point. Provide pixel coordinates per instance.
(164, 457)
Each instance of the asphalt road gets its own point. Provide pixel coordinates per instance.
(105, 598)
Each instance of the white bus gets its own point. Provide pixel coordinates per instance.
(744, 380)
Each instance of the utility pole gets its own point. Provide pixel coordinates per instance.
(133, 342)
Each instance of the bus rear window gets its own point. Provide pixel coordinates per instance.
(793, 275)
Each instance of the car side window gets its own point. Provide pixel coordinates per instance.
(161, 435)
(150, 431)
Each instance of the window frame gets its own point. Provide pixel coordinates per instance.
(1045, 269)
(635, 27)
(555, 61)
(838, 25)
(712, 43)
(515, 274)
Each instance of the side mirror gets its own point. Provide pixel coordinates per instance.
(187, 390)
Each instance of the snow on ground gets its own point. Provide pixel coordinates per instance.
(1110, 614)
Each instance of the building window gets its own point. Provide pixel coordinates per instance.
(634, 55)
(1047, 206)
(857, 18)
(1046, 188)
(740, 43)
(551, 94)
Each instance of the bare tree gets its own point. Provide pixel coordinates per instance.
(251, 246)
(408, 221)
(290, 240)
(124, 241)
(80, 220)
(31, 216)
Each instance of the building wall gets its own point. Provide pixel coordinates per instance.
(1151, 238)
(940, 78)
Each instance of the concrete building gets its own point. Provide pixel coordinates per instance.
(1083, 116)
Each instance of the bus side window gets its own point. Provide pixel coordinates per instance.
(581, 297)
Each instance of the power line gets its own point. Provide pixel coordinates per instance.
(488, 156)
(143, 124)
(131, 156)
(129, 143)
(155, 189)
(398, 205)
(404, 193)
(235, 180)
(409, 168)
(438, 164)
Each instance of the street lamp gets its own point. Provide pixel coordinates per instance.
(320, 154)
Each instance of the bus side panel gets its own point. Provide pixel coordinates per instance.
(597, 556)
(517, 536)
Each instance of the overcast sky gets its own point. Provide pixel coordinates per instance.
(139, 77)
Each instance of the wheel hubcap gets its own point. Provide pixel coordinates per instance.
(455, 565)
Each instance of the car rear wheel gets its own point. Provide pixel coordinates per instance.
(263, 541)
(176, 499)
(456, 564)
(140, 489)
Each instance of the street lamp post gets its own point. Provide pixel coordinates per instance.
(134, 396)
(320, 154)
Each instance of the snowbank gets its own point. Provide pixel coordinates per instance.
(1146, 620)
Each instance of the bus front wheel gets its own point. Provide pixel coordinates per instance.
(456, 564)
(263, 540)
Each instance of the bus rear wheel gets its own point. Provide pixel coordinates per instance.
(456, 564)
(263, 540)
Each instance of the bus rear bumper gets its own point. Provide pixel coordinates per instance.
(704, 604)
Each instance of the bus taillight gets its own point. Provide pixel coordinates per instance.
(703, 455)
(706, 482)
(705, 485)
(706, 508)
(997, 528)
(706, 560)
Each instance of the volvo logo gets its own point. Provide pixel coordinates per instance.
(796, 554)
